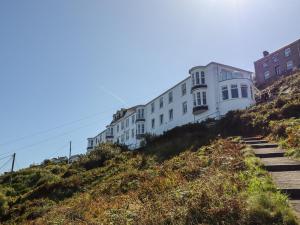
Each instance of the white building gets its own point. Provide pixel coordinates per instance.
(209, 92)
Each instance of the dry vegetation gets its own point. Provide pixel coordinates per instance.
(186, 176)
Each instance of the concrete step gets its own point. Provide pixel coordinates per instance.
(252, 138)
(268, 152)
(288, 182)
(280, 164)
(296, 206)
(264, 145)
(255, 142)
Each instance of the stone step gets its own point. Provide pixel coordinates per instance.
(256, 142)
(268, 152)
(278, 164)
(252, 138)
(288, 182)
(296, 206)
(265, 145)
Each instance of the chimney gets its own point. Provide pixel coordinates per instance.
(265, 53)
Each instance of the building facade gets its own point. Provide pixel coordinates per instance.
(208, 92)
(281, 62)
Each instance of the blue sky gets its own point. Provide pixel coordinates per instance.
(66, 66)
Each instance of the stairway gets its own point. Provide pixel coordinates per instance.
(284, 171)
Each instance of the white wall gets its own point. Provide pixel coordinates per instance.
(216, 105)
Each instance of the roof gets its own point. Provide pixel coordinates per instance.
(278, 50)
(219, 64)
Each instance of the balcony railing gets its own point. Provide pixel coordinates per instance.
(199, 109)
(109, 136)
(198, 86)
(140, 119)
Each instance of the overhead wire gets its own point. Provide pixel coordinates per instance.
(48, 139)
(5, 164)
(51, 129)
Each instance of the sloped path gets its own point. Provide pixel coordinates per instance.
(284, 171)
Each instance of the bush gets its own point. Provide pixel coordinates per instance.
(3, 204)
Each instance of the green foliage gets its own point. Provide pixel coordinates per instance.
(3, 204)
(189, 175)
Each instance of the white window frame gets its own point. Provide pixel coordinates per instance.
(171, 114)
(152, 107)
(290, 65)
(287, 52)
(170, 96)
(161, 102)
(267, 75)
(161, 119)
(225, 90)
(153, 123)
(183, 89)
(202, 77)
(234, 87)
(184, 108)
(243, 86)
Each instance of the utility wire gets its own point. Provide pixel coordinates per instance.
(53, 137)
(5, 157)
(51, 129)
(5, 164)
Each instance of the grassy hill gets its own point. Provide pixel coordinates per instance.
(193, 174)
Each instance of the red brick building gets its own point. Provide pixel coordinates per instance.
(281, 62)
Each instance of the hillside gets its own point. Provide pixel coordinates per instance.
(193, 174)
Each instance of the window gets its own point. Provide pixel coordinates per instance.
(204, 98)
(199, 98)
(161, 119)
(140, 114)
(275, 58)
(289, 65)
(202, 78)
(287, 52)
(118, 128)
(184, 108)
(127, 135)
(234, 91)
(133, 119)
(225, 94)
(140, 129)
(265, 65)
(122, 125)
(122, 138)
(244, 91)
(277, 70)
(193, 79)
(170, 97)
(171, 114)
(267, 75)
(132, 133)
(226, 75)
(183, 89)
(152, 107)
(195, 103)
(153, 123)
(127, 122)
(197, 78)
(161, 102)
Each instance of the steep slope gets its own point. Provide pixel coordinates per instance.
(172, 180)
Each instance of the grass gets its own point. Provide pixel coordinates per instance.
(190, 175)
